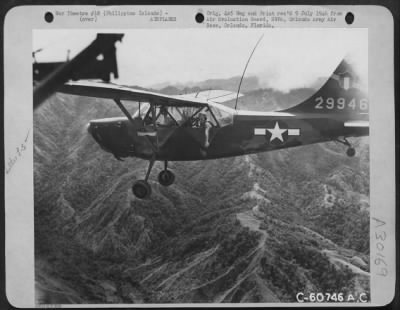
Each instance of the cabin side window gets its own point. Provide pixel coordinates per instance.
(166, 116)
(142, 110)
(169, 116)
(224, 117)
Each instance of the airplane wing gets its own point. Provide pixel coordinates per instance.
(213, 95)
(118, 92)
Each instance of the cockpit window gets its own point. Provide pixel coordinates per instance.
(223, 116)
(177, 116)
(142, 111)
(164, 115)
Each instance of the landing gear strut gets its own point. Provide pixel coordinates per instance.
(350, 150)
(142, 189)
(166, 177)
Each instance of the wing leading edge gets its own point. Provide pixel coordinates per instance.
(118, 92)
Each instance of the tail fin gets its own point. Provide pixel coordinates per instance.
(339, 95)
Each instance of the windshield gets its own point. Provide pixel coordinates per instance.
(223, 114)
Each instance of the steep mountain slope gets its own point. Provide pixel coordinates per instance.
(256, 228)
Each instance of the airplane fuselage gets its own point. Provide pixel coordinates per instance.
(250, 132)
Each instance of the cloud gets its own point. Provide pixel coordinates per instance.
(286, 58)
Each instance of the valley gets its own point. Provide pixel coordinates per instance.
(256, 228)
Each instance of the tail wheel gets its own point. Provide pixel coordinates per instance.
(351, 152)
(141, 189)
(166, 177)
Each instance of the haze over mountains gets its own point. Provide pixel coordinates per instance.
(257, 228)
(249, 83)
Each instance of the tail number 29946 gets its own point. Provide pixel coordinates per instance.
(340, 103)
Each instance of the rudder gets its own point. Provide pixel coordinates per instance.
(339, 95)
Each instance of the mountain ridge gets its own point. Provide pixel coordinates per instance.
(242, 229)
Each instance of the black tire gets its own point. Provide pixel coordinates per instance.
(351, 152)
(166, 177)
(141, 189)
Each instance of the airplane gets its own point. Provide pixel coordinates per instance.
(199, 126)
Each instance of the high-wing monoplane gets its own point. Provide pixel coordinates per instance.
(199, 126)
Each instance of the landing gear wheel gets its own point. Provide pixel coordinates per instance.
(166, 177)
(141, 189)
(351, 152)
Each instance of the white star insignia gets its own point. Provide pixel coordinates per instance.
(276, 132)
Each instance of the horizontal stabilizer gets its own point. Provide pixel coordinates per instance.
(357, 124)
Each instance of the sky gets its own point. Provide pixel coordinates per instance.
(285, 58)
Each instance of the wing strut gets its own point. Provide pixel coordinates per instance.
(123, 109)
(154, 119)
